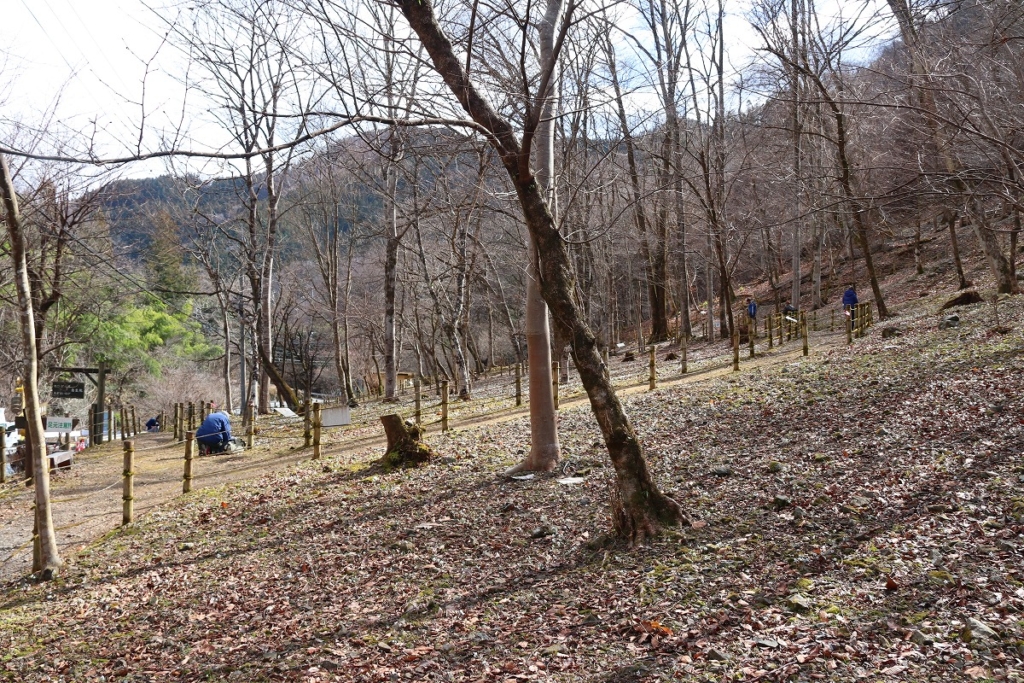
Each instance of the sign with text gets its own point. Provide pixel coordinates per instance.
(59, 424)
(68, 390)
(335, 417)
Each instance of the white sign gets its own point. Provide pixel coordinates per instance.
(58, 424)
(285, 412)
(335, 417)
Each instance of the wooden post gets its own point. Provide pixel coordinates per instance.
(770, 331)
(814, 321)
(162, 427)
(652, 380)
(316, 431)
(750, 335)
(803, 331)
(111, 425)
(832, 322)
(191, 417)
(683, 362)
(186, 483)
(177, 434)
(128, 496)
(444, 405)
(307, 418)
(849, 327)
(250, 429)
(3, 455)
(37, 543)
(135, 421)
(554, 382)
(419, 400)
(519, 384)
(735, 348)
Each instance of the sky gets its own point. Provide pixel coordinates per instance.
(87, 61)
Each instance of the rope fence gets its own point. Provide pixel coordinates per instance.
(495, 397)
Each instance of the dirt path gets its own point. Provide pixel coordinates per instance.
(87, 499)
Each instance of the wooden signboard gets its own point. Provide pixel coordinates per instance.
(68, 390)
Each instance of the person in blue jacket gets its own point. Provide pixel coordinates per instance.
(752, 314)
(215, 432)
(850, 302)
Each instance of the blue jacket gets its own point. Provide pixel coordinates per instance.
(752, 309)
(216, 428)
(850, 297)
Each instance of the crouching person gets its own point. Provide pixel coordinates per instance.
(214, 435)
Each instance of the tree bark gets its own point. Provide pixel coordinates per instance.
(49, 555)
(640, 510)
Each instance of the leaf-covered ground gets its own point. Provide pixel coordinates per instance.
(858, 515)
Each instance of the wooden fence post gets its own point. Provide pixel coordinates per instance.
(128, 496)
(751, 330)
(735, 348)
(519, 384)
(444, 405)
(191, 427)
(803, 330)
(3, 455)
(814, 321)
(419, 400)
(849, 326)
(652, 379)
(186, 483)
(770, 331)
(683, 361)
(316, 431)
(111, 425)
(250, 429)
(554, 382)
(832, 322)
(307, 418)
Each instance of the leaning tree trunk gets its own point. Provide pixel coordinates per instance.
(49, 556)
(639, 508)
(284, 390)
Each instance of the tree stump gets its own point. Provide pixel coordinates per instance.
(404, 446)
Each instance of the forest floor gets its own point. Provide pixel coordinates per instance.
(857, 515)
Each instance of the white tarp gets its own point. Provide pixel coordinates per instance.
(335, 417)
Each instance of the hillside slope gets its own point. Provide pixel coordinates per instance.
(857, 516)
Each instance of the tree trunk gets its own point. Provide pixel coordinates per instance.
(918, 263)
(48, 554)
(640, 510)
(1006, 283)
(954, 244)
(545, 451)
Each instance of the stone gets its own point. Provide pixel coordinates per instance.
(542, 531)
(716, 655)
(781, 501)
(860, 501)
(628, 357)
(186, 546)
(919, 638)
(798, 602)
(949, 322)
(553, 649)
(723, 471)
(979, 630)
(775, 466)
(890, 332)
